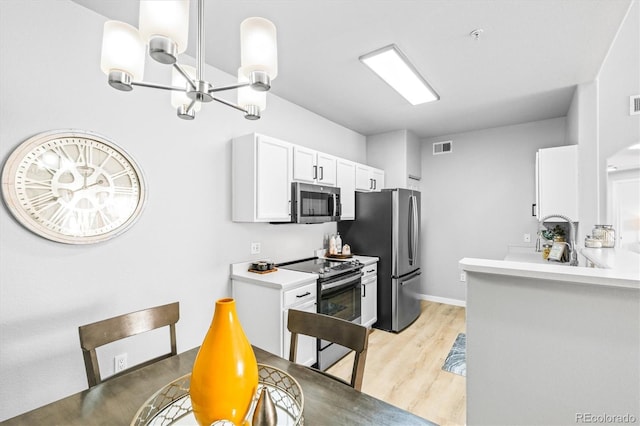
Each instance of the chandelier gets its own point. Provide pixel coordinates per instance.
(164, 27)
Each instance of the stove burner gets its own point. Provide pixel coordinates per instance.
(324, 268)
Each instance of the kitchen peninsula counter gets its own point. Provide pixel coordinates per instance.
(625, 274)
(551, 342)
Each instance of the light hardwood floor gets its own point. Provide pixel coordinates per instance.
(405, 369)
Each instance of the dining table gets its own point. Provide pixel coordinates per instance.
(116, 401)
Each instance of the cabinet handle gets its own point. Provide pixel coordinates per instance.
(375, 184)
(370, 183)
(315, 172)
(533, 209)
(321, 172)
(302, 295)
(289, 207)
(364, 291)
(370, 271)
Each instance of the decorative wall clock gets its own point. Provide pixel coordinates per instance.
(73, 186)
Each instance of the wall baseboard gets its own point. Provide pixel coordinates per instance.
(445, 300)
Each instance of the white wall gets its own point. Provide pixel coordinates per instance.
(181, 247)
(477, 199)
(618, 79)
(598, 120)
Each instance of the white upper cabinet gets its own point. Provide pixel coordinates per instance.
(261, 179)
(399, 154)
(311, 166)
(346, 181)
(263, 169)
(557, 182)
(369, 178)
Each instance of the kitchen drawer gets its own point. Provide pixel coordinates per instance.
(300, 295)
(369, 270)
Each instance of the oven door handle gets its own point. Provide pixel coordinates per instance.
(339, 283)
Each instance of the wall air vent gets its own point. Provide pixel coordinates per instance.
(442, 147)
(634, 105)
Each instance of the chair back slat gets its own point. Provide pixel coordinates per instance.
(345, 333)
(103, 332)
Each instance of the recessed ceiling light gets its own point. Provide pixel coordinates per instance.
(395, 69)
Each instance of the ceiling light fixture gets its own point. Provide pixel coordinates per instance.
(164, 27)
(390, 64)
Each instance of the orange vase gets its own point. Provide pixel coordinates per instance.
(224, 379)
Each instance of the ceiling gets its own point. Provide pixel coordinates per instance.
(523, 68)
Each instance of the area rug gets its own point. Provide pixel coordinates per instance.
(456, 361)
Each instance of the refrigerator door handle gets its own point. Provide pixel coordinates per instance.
(413, 238)
(409, 278)
(416, 235)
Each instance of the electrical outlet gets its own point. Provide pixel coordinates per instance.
(120, 363)
(255, 248)
(463, 276)
(527, 238)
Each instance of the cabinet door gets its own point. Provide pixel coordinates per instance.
(304, 164)
(557, 181)
(346, 180)
(326, 169)
(307, 346)
(378, 179)
(273, 180)
(364, 182)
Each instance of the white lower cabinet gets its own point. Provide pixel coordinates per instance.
(263, 311)
(307, 347)
(369, 294)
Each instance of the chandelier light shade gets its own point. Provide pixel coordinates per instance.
(164, 27)
(122, 54)
(254, 101)
(258, 46)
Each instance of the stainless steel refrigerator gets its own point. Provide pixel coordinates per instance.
(387, 225)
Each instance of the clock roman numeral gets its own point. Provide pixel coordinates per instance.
(43, 201)
(62, 153)
(125, 190)
(59, 216)
(37, 184)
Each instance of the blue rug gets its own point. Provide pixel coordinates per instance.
(456, 361)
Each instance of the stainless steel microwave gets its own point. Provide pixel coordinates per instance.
(314, 203)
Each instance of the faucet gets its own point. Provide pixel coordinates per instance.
(573, 253)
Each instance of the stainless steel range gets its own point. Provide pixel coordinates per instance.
(339, 285)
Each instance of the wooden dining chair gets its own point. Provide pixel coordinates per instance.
(336, 330)
(109, 330)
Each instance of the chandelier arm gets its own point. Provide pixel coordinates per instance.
(232, 105)
(185, 75)
(191, 106)
(157, 86)
(232, 86)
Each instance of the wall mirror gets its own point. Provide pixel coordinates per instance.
(623, 197)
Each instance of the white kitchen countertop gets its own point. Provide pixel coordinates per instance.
(623, 275)
(613, 258)
(280, 279)
(285, 278)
